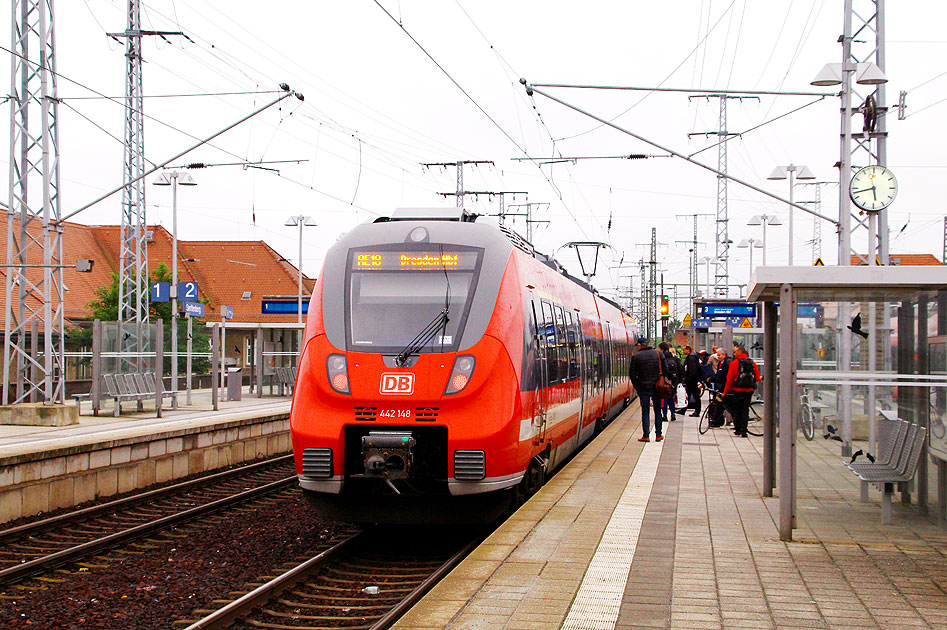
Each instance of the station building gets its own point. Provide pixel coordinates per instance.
(249, 276)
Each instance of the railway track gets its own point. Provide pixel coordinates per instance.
(367, 581)
(43, 545)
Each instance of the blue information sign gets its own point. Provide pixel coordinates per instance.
(809, 310)
(283, 307)
(701, 323)
(193, 309)
(187, 291)
(160, 291)
(226, 312)
(722, 310)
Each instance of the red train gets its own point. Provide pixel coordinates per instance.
(446, 367)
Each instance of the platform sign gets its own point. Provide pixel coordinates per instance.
(734, 322)
(226, 312)
(193, 309)
(809, 310)
(700, 322)
(187, 291)
(160, 291)
(721, 310)
(283, 307)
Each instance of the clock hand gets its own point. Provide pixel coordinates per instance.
(862, 190)
(874, 192)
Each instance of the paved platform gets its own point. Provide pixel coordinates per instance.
(19, 440)
(697, 547)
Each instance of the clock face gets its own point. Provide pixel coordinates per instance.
(873, 188)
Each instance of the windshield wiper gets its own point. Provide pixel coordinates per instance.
(427, 333)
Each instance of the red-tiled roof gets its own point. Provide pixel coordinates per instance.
(904, 260)
(224, 270)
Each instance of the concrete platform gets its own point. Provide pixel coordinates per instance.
(677, 535)
(44, 468)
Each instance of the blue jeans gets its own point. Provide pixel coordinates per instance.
(649, 399)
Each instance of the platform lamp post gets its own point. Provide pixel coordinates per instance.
(707, 260)
(792, 173)
(751, 244)
(764, 219)
(301, 221)
(174, 179)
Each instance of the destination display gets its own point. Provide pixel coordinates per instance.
(414, 260)
(723, 310)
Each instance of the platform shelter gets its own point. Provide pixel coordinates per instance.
(871, 380)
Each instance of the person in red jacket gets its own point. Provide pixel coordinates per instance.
(742, 377)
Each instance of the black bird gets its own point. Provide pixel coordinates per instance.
(856, 326)
(830, 431)
(856, 455)
(830, 428)
(870, 457)
(837, 438)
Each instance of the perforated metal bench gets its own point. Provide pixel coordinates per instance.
(897, 463)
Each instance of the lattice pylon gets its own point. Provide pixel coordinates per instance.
(34, 288)
(133, 264)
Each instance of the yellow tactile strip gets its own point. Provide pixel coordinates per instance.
(527, 573)
(598, 601)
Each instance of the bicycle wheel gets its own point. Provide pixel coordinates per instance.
(755, 424)
(805, 422)
(704, 423)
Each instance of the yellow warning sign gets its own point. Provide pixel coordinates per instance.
(818, 262)
(687, 320)
(746, 323)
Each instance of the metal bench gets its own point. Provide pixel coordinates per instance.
(902, 452)
(286, 377)
(137, 387)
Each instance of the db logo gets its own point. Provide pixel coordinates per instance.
(401, 383)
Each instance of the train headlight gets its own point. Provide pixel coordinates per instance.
(460, 375)
(338, 372)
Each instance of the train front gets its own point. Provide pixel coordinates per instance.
(406, 403)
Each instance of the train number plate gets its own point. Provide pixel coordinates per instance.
(397, 414)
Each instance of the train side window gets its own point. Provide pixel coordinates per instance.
(571, 344)
(552, 351)
(561, 343)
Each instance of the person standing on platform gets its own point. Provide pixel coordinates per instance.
(720, 381)
(675, 373)
(692, 378)
(742, 377)
(643, 372)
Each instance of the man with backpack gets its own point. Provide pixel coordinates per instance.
(742, 377)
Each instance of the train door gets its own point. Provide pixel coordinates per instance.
(609, 381)
(541, 368)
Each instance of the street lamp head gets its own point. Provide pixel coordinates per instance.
(299, 219)
(163, 180)
(829, 75)
(869, 74)
(803, 172)
(184, 179)
(755, 220)
(772, 219)
(780, 172)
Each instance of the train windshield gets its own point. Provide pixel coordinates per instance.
(397, 297)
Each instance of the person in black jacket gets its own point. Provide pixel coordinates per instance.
(720, 381)
(675, 372)
(692, 377)
(644, 373)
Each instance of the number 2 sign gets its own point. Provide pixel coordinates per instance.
(187, 291)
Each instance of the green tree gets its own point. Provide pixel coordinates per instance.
(105, 307)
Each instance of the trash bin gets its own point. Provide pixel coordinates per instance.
(234, 383)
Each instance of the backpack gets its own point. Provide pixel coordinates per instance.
(746, 375)
(674, 368)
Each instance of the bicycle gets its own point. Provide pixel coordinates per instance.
(755, 417)
(806, 415)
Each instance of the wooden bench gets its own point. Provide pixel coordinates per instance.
(897, 463)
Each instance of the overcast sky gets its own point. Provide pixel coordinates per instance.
(376, 107)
